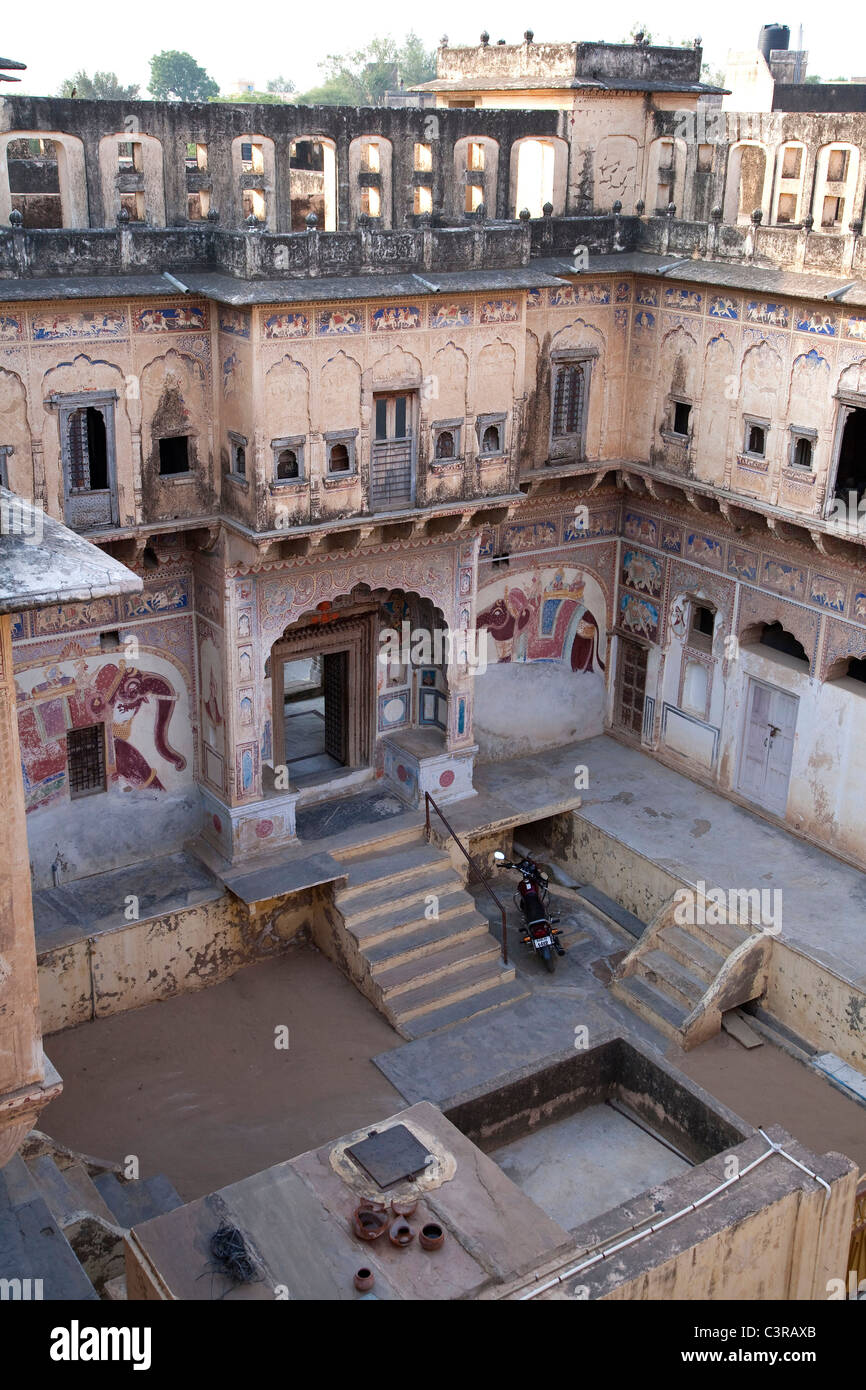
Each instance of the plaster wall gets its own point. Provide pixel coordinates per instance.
(163, 956)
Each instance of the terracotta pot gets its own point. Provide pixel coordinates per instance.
(404, 1208)
(370, 1204)
(364, 1280)
(432, 1236)
(369, 1225)
(401, 1233)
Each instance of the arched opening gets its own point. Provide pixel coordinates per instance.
(538, 175)
(345, 676)
(851, 469)
(313, 183)
(88, 454)
(287, 465)
(778, 639)
(34, 181)
(848, 668)
(490, 441)
(445, 444)
(42, 176)
(744, 186)
(790, 168)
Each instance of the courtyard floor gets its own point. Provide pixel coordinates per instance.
(195, 1087)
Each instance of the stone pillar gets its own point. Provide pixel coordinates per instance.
(24, 1088)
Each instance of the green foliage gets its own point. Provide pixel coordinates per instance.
(279, 84)
(176, 76)
(362, 78)
(102, 86)
(263, 98)
(714, 76)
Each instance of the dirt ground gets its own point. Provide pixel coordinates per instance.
(767, 1086)
(197, 1089)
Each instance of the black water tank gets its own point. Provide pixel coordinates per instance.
(773, 36)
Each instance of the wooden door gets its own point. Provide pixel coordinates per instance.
(768, 746)
(632, 685)
(334, 681)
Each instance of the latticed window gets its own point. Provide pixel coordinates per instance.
(568, 399)
(88, 458)
(85, 756)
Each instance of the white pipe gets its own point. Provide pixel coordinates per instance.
(658, 1225)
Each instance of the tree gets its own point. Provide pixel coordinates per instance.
(279, 84)
(176, 76)
(415, 62)
(362, 78)
(257, 98)
(714, 76)
(102, 86)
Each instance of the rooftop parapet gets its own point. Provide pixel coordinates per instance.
(545, 65)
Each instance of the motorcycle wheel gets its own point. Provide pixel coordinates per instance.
(549, 959)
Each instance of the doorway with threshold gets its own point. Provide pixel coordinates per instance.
(322, 693)
(314, 714)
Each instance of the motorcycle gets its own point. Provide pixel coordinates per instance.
(532, 897)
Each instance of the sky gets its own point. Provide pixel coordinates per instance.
(290, 41)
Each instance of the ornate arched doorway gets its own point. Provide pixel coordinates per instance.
(348, 674)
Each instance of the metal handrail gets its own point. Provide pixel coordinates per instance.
(473, 864)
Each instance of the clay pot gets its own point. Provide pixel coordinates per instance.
(401, 1233)
(364, 1280)
(368, 1224)
(405, 1207)
(432, 1236)
(370, 1204)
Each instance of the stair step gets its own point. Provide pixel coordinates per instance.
(407, 898)
(671, 977)
(446, 989)
(723, 937)
(71, 1195)
(136, 1202)
(654, 1006)
(462, 922)
(451, 960)
(701, 958)
(409, 834)
(605, 907)
(391, 866)
(447, 1015)
(32, 1245)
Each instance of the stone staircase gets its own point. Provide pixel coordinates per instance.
(423, 972)
(682, 976)
(64, 1215)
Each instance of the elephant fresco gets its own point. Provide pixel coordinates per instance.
(547, 621)
(506, 619)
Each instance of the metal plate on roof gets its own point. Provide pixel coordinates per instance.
(390, 1155)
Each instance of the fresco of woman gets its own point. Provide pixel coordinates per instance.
(584, 648)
